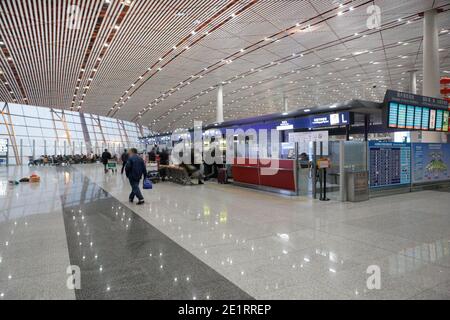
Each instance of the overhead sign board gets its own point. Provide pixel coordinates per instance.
(325, 120)
(304, 140)
(285, 125)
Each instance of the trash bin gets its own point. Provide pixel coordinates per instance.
(357, 186)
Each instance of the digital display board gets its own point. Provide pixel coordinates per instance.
(432, 119)
(409, 117)
(439, 119)
(445, 121)
(425, 119)
(401, 122)
(389, 164)
(413, 112)
(393, 115)
(418, 118)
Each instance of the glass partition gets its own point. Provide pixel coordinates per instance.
(35, 131)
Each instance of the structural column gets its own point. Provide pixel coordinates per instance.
(285, 105)
(413, 81)
(431, 73)
(415, 136)
(219, 109)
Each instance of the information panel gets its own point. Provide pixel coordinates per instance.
(389, 164)
(413, 112)
(430, 162)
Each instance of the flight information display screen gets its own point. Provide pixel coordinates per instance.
(432, 119)
(445, 121)
(439, 119)
(418, 118)
(393, 115)
(389, 164)
(401, 122)
(402, 116)
(409, 117)
(425, 119)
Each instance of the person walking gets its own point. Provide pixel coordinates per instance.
(135, 169)
(124, 158)
(105, 157)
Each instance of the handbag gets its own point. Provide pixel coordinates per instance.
(147, 184)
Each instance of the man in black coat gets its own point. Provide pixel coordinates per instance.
(105, 157)
(134, 170)
(124, 158)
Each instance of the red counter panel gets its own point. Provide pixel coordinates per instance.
(250, 173)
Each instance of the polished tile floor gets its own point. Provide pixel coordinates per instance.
(214, 241)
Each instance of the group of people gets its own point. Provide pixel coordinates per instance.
(135, 169)
(44, 160)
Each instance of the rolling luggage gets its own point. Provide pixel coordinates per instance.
(147, 185)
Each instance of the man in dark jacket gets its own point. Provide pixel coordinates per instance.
(124, 158)
(152, 155)
(163, 161)
(105, 157)
(134, 170)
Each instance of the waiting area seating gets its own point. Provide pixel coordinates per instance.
(63, 160)
(181, 174)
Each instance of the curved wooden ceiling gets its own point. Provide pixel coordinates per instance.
(159, 62)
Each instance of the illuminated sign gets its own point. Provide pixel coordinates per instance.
(413, 112)
(400, 116)
(285, 125)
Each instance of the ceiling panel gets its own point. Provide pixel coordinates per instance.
(160, 62)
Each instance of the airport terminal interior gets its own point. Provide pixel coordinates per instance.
(224, 150)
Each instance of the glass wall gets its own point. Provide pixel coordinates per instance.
(34, 131)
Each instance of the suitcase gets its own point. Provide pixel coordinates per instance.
(222, 176)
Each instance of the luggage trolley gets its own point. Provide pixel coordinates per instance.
(153, 171)
(112, 165)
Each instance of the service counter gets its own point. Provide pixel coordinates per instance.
(277, 175)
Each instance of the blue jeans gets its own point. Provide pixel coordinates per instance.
(135, 191)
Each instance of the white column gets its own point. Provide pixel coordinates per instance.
(219, 109)
(415, 136)
(431, 73)
(413, 81)
(285, 105)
